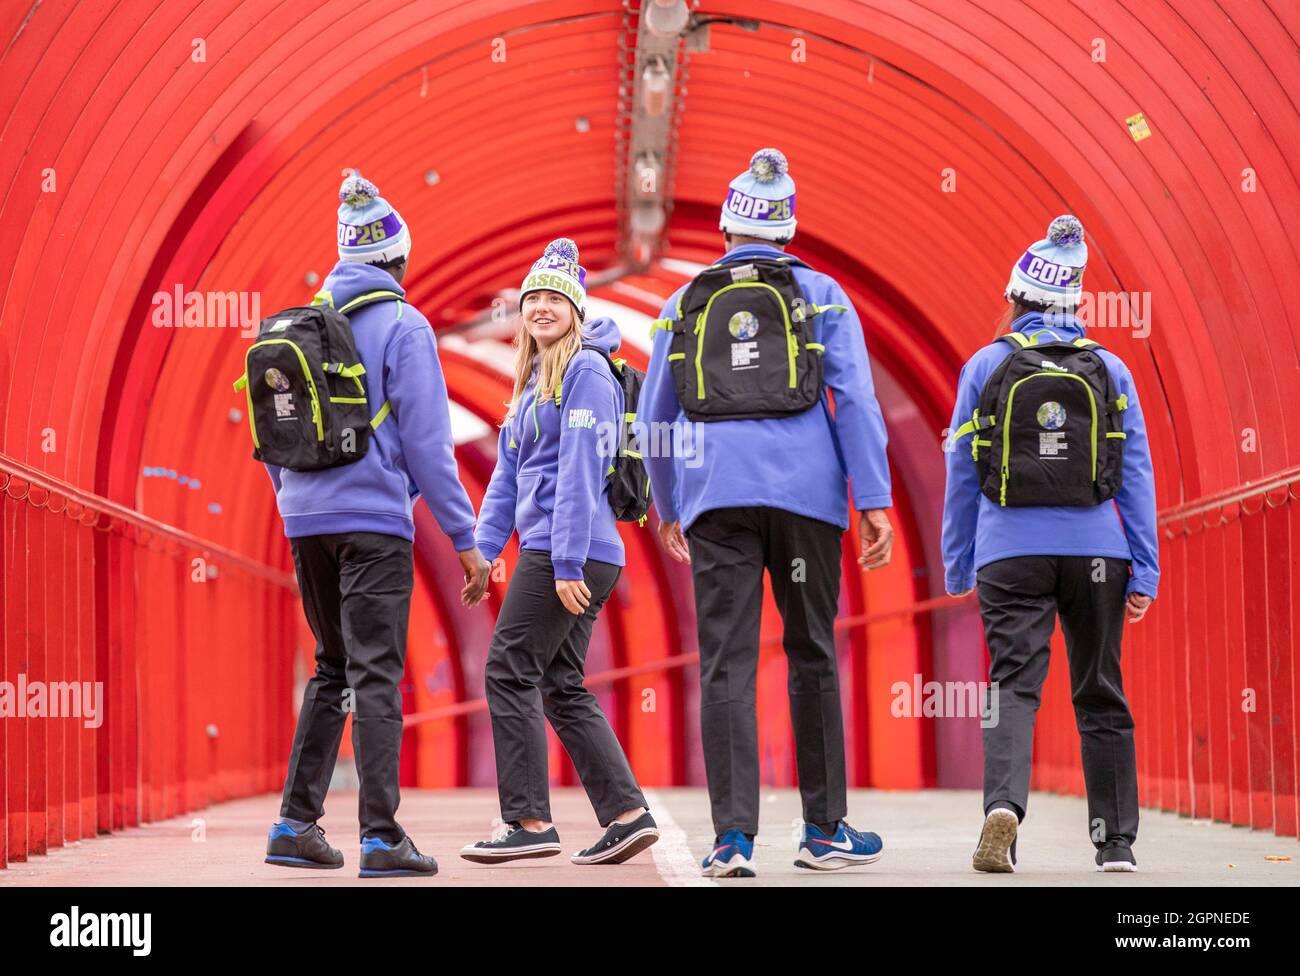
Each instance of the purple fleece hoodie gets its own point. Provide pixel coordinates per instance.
(549, 481)
(411, 452)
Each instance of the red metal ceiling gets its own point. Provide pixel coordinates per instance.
(220, 175)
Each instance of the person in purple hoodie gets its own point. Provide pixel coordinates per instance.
(1090, 564)
(550, 485)
(769, 493)
(351, 531)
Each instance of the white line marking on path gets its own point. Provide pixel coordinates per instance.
(673, 858)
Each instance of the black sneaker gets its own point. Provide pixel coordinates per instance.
(996, 851)
(1116, 856)
(380, 859)
(309, 849)
(511, 842)
(621, 842)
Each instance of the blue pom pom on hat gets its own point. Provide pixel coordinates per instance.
(760, 201)
(370, 230)
(558, 270)
(1049, 275)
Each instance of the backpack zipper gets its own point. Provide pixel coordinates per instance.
(311, 383)
(792, 344)
(1006, 427)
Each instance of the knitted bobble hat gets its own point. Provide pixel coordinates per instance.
(558, 270)
(370, 230)
(760, 201)
(1049, 275)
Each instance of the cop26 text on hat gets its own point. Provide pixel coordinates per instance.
(370, 230)
(1049, 276)
(760, 201)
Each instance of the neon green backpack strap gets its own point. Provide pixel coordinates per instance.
(368, 298)
(380, 417)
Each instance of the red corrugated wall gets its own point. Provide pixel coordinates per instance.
(129, 166)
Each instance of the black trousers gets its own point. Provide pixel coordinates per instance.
(1020, 600)
(534, 674)
(730, 547)
(356, 591)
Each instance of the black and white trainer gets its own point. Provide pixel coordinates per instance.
(1116, 855)
(512, 842)
(621, 842)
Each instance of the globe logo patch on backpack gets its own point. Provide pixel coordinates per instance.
(276, 380)
(743, 325)
(1051, 415)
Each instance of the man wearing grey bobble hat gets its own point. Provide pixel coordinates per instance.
(1050, 511)
(748, 349)
(351, 531)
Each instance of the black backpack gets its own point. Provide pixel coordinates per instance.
(629, 484)
(1048, 429)
(742, 343)
(307, 406)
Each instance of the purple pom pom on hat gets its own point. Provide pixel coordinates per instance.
(558, 270)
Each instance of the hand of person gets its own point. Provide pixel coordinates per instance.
(573, 594)
(477, 569)
(877, 538)
(966, 592)
(670, 534)
(1137, 605)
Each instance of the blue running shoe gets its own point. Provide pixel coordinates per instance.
(732, 857)
(847, 848)
(290, 849)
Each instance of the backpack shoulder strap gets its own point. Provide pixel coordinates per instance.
(615, 368)
(792, 261)
(667, 323)
(1016, 340)
(369, 298)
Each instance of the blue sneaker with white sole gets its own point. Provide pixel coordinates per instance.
(732, 857)
(846, 849)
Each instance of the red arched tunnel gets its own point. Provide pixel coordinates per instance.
(196, 148)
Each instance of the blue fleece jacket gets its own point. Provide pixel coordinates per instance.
(411, 452)
(801, 463)
(552, 460)
(978, 531)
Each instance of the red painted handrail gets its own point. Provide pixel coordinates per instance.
(12, 470)
(1282, 479)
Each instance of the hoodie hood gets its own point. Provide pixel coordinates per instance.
(1059, 325)
(349, 279)
(602, 332)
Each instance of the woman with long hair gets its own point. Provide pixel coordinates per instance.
(550, 485)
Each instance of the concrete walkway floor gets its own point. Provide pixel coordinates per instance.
(928, 835)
